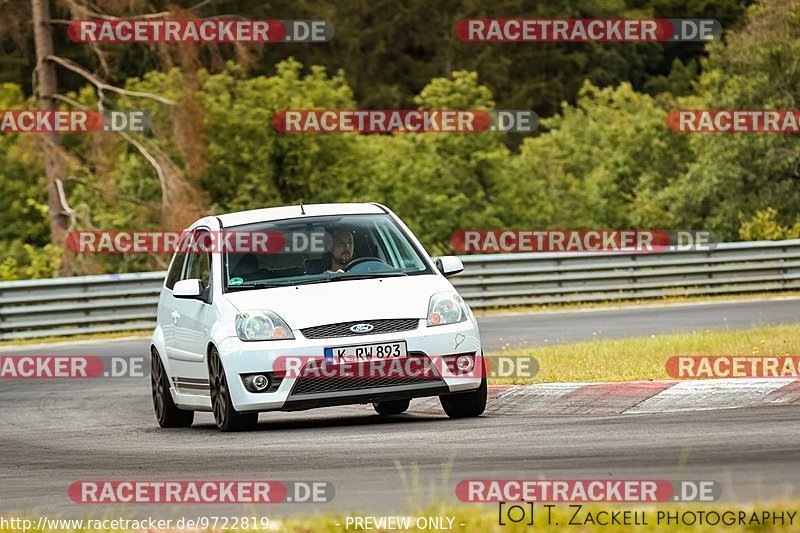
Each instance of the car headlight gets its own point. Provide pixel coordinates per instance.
(446, 308)
(262, 326)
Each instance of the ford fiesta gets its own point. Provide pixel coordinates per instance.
(240, 332)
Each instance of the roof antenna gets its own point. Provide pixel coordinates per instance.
(302, 210)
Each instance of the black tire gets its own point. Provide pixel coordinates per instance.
(225, 415)
(465, 404)
(167, 413)
(394, 407)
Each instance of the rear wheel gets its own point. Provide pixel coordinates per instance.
(226, 417)
(167, 413)
(394, 407)
(465, 404)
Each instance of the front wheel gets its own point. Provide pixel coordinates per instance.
(394, 407)
(465, 404)
(167, 413)
(225, 415)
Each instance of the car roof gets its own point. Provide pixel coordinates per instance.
(294, 211)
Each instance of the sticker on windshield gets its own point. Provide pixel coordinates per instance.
(235, 281)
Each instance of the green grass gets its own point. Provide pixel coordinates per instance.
(643, 358)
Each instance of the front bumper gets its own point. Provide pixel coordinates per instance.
(241, 358)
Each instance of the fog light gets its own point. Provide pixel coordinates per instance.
(260, 382)
(465, 363)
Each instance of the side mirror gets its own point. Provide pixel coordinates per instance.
(188, 288)
(449, 265)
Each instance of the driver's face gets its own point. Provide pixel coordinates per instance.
(342, 249)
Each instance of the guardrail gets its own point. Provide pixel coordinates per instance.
(123, 302)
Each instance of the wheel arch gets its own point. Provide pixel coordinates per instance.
(210, 346)
(158, 343)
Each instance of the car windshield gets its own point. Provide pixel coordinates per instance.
(321, 250)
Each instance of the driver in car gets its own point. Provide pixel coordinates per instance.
(341, 249)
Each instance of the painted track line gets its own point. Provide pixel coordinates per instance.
(631, 397)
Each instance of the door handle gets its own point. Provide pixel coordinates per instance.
(175, 316)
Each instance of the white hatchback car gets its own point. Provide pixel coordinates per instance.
(240, 333)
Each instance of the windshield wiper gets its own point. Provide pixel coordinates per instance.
(257, 285)
(271, 285)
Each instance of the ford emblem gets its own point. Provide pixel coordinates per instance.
(361, 328)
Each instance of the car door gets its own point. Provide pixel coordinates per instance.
(191, 317)
(166, 316)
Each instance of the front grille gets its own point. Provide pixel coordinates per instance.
(342, 329)
(311, 382)
(317, 385)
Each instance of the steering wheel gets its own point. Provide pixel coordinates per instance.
(360, 260)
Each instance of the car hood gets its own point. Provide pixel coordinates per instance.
(317, 304)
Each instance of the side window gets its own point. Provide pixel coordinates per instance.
(198, 265)
(400, 248)
(175, 268)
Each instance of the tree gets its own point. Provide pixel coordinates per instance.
(602, 163)
(734, 176)
(51, 142)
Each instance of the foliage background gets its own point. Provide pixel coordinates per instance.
(603, 157)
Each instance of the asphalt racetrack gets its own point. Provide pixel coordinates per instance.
(57, 432)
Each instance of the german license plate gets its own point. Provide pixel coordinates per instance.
(365, 352)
